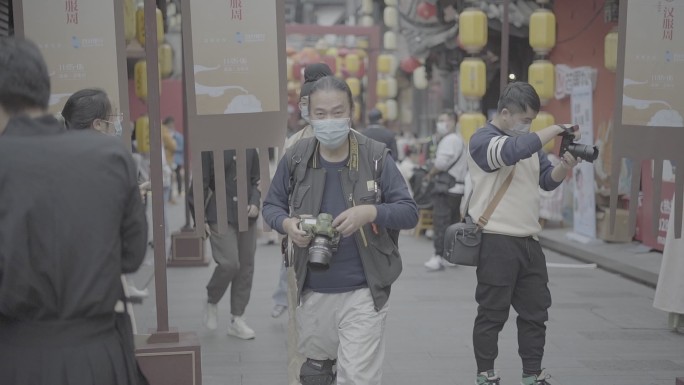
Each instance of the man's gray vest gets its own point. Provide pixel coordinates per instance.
(377, 247)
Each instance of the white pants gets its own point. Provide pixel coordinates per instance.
(345, 327)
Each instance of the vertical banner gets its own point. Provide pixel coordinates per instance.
(584, 203)
(79, 42)
(235, 51)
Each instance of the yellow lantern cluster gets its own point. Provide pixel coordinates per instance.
(140, 79)
(543, 120)
(165, 60)
(473, 30)
(472, 71)
(142, 134)
(610, 48)
(542, 73)
(140, 26)
(355, 86)
(386, 88)
(129, 20)
(470, 122)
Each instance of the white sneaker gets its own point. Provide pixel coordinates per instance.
(238, 328)
(447, 263)
(211, 316)
(278, 310)
(434, 263)
(134, 292)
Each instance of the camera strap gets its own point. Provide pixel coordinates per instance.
(484, 218)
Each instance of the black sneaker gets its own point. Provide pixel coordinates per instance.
(487, 378)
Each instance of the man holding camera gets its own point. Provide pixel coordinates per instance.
(512, 266)
(342, 293)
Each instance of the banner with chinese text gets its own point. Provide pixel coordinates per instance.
(235, 55)
(79, 43)
(584, 200)
(654, 64)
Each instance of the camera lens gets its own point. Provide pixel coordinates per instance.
(582, 151)
(320, 254)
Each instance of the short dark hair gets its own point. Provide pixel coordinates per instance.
(312, 73)
(24, 79)
(451, 114)
(374, 116)
(169, 120)
(84, 106)
(332, 83)
(517, 96)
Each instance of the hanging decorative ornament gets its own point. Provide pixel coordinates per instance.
(409, 64)
(426, 10)
(420, 78)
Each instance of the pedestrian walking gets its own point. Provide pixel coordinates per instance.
(233, 251)
(342, 309)
(71, 222)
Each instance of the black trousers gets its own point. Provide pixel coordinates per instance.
(512, 271)
(446, 210)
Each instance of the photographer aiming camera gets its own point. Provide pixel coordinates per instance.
(512, 266)
(341, 317)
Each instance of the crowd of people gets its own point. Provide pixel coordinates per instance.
(72, 204)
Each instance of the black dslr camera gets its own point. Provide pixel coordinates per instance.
(582, 151)
(325, 239)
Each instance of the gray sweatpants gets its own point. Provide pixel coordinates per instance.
(345, 327)
(234, 255)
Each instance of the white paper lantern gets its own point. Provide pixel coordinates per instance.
(420, 78)
(391, 3)
(392, 109)
(367, 7)
(390, 40)
(391, 17)
(367, 21)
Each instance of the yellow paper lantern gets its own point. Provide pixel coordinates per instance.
(129, 20)
(362, 43)
(165, 60)
(142, 134)
(352, 62)
(390, 17)
(542, 76)
(140, 79)
(473, 78)
(392, 87)
(366, 7)
(392, 110)
(542, 31)
(381, 88)
(386, 63)
(469, 122)
(392, 3)
(357, 112)
(389, 40)
(382, 107)
(367, 21)
(420, 78)
(354, 85)
(543, 120)
(140, 26)
(290, 69)
(610, 48)
(473, 29)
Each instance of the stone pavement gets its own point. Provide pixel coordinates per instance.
(603, 329)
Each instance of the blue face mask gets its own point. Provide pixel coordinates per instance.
(332, 133)
(118, 129)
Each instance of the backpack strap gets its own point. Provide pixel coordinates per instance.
(298, 157)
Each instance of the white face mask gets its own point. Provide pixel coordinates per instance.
(118, 129)
(519, 129)
(304, 111)
(442, 128)
(331, 132)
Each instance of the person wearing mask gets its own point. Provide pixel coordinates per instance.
(342, 311)
(91, 108)
(512, 267)
(448, 180)
(233, 251)
(71, 222)
(382, 134)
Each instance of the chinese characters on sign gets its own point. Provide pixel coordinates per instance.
(668, 23)
(236, 9)
(71, 10)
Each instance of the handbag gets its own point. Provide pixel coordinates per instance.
(462, 240)
(443, 181)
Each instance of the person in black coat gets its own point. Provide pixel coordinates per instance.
(71, 222)
(382, 134)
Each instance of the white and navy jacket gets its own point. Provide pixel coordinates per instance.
(492, 156)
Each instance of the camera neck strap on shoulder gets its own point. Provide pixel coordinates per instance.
(489, 210)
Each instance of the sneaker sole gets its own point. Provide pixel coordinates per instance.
(242, 337)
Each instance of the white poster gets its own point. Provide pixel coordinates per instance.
(584, 204)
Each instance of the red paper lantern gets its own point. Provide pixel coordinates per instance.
(409, 64)
(331, 61)
(309, 55)
(426, 10)
(343, 51)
